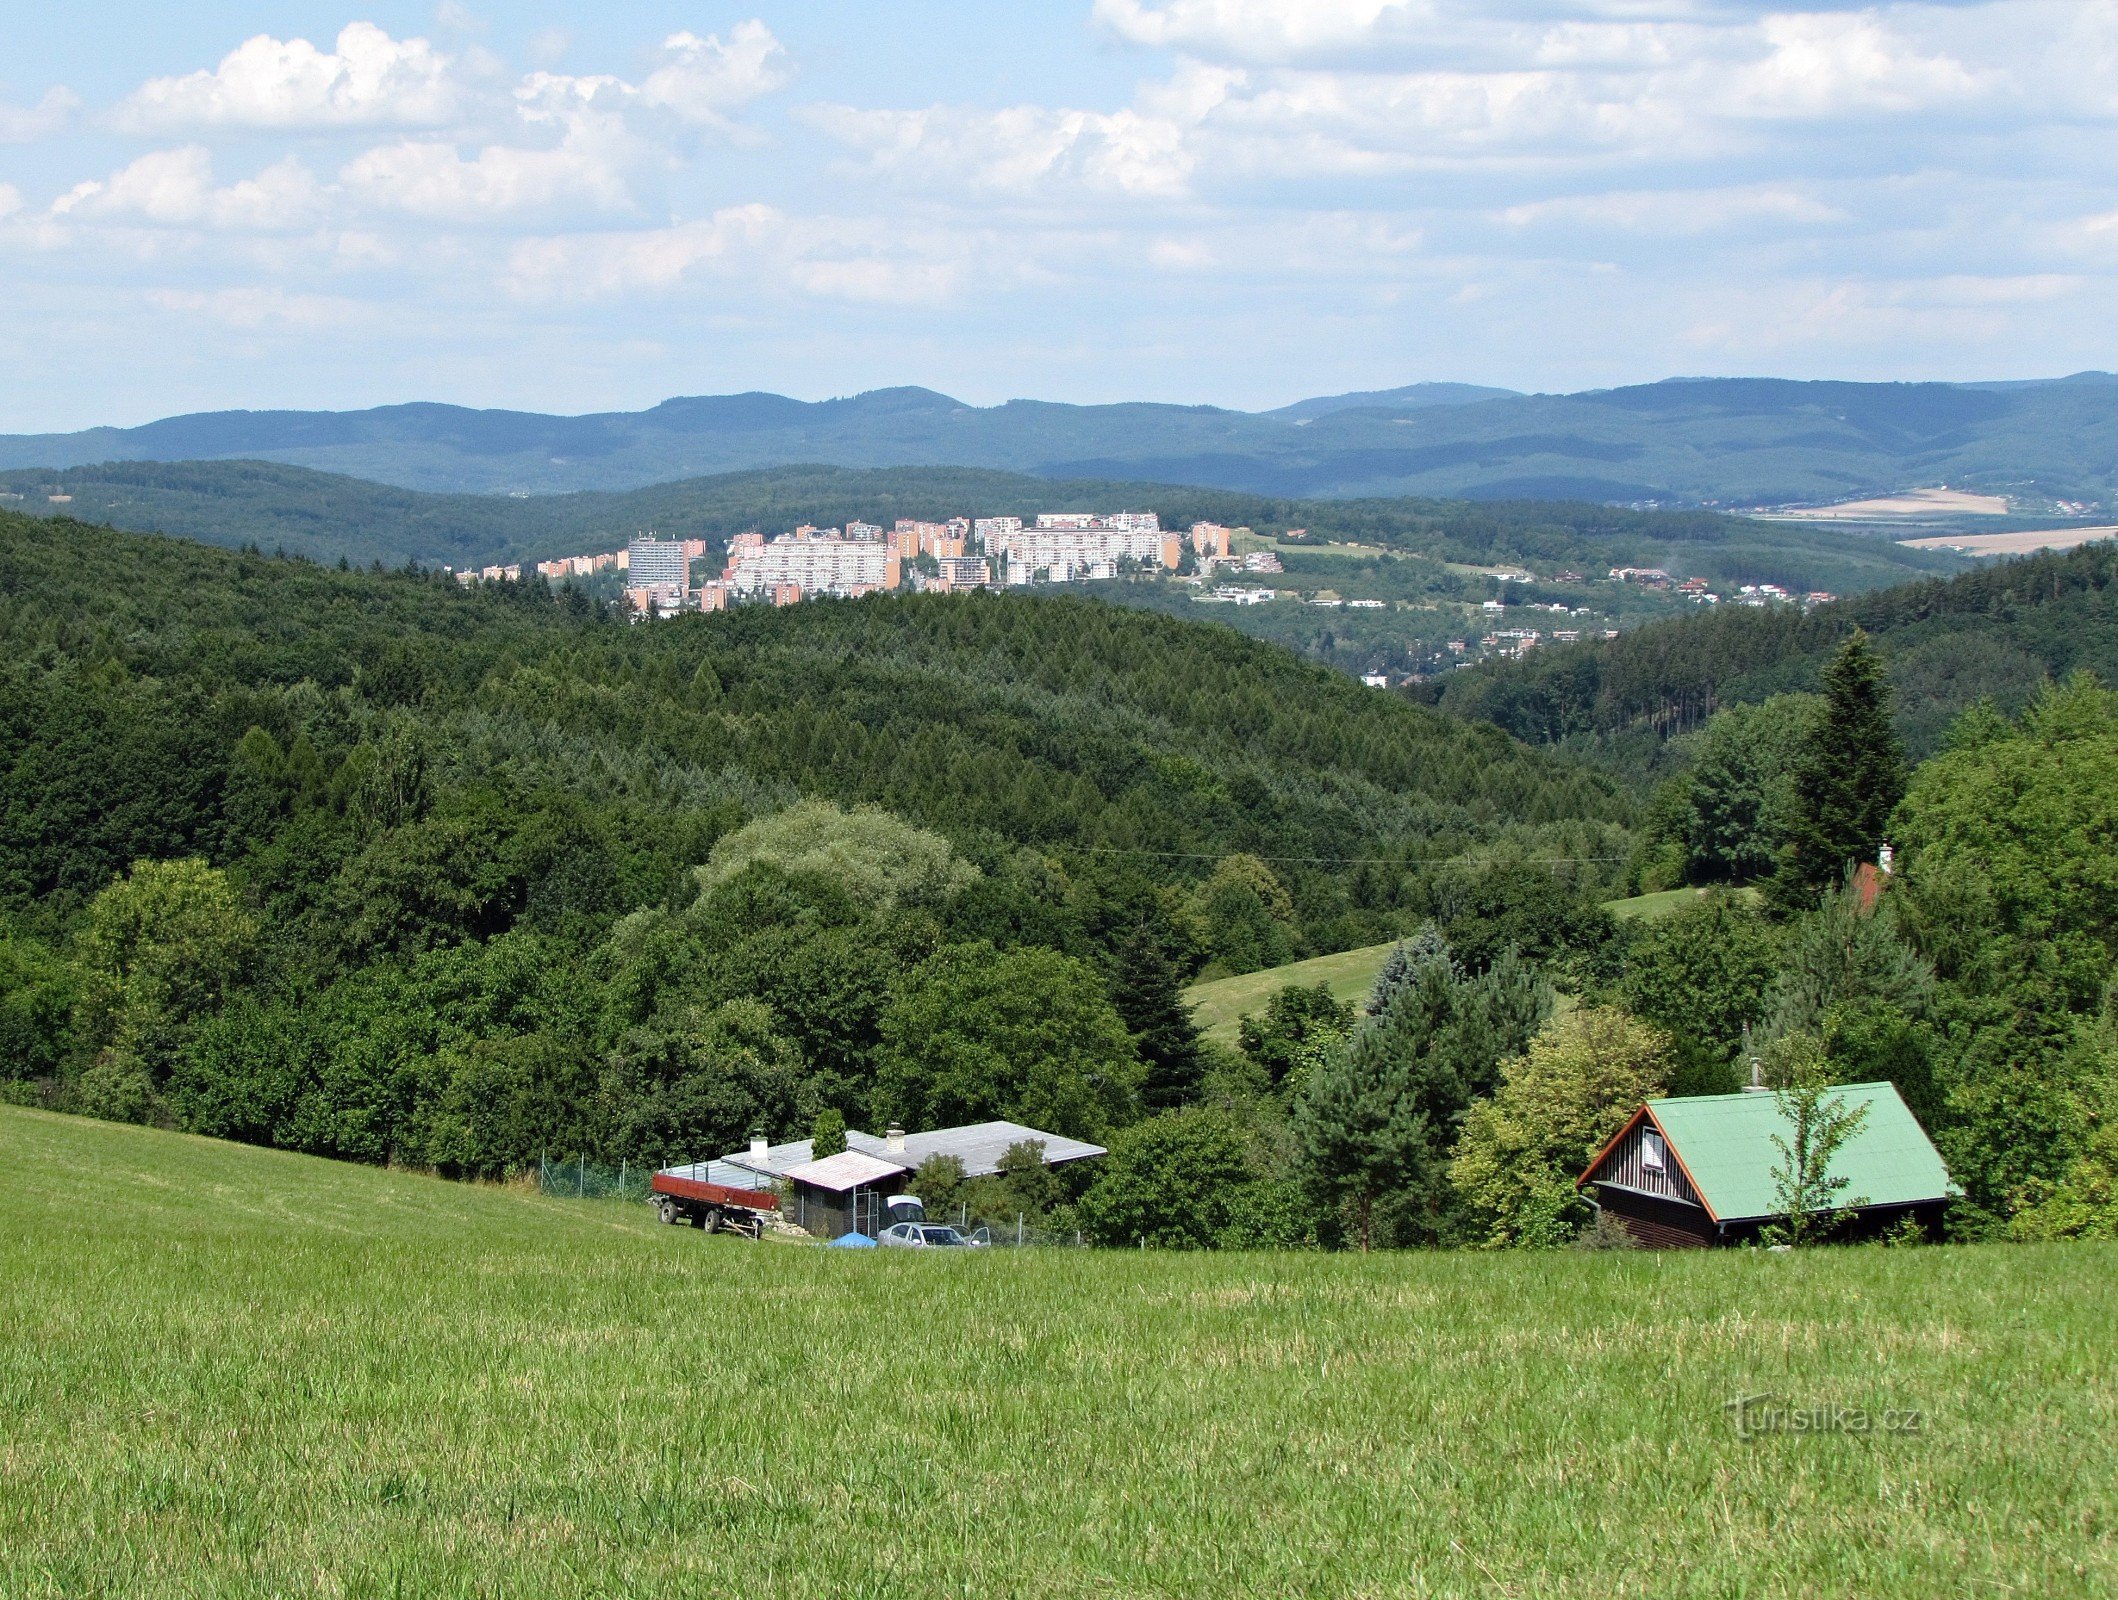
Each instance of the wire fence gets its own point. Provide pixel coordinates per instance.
(578, 1178)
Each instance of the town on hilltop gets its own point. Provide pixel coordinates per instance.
(661, 576)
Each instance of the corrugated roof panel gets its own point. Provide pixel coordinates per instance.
(849, 1169)
(1725, 1144)
(978, 1145)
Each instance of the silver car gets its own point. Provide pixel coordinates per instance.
(923, 1236)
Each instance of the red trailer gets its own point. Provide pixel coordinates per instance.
(679, 1197)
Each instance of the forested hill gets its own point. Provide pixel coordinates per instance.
(1995, 633)
(325, 516)
(1734, 441)
(469, 758)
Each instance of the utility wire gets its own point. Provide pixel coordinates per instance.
(1348, 861)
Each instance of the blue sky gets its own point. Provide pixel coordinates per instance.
(575, 207)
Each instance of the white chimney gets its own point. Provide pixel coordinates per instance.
(757, 1147)
(894, 1140)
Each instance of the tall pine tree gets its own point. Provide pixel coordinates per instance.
(1848, 778)
(1146, 992)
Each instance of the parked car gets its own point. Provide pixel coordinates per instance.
(922, 1236)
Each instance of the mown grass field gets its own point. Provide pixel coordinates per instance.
(233, 1372)
(1220, 1006)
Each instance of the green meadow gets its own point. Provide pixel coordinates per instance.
(1220, 1005)
(230, 1371)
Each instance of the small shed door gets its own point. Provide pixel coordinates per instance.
(867, 1212)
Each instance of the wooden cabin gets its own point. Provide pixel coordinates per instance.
(1699, 1170)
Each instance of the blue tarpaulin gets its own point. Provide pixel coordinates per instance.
(853, 1241)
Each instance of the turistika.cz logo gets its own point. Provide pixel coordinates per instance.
(1756, 1415)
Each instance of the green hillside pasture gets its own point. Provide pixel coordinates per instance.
(1664, 903)
(226, 1371)
(1220, 1006)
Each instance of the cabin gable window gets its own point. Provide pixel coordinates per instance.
(1651, 1156)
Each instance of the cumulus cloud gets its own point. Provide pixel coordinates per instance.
(702, 80)
(367, 80)
(27, 124)
(596, 122)
(1826, 65)
(175, 188)
(433, 178)
(1254, 30)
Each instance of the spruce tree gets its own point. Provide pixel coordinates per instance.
(827, 1134)
(1150, 1001)
(1849, 776)
(1379, 1115)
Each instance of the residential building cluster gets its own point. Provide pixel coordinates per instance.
(864, 558)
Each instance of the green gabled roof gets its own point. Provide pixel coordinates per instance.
(1725, 1144)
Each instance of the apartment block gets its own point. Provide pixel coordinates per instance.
(814, 561)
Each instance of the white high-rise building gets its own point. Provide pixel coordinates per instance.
(652, 562)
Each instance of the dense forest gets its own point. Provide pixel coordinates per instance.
(363, 864)
(1996, 633)
(312, 856)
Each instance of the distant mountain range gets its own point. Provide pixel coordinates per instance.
(1713, 441)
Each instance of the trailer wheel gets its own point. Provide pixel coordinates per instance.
(666, 1210)
(712, 1220)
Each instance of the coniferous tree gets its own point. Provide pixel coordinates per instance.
(1151, 1003)
(1379, 1116)
(827, 1134)
(1849, 777)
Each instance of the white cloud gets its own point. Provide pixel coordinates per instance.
(1826, 65)
(1676, 211)
(1252, 30)
(175, 188)
(594, 265)
(27, 124)
(1020, 150)
(433, 178)
(368, 80)
(702, 80)
(10, 200)
(818, 258)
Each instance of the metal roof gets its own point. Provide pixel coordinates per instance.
(1724, 1143)
(978, 1145)
(849, 1169)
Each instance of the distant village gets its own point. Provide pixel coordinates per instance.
(658, 575)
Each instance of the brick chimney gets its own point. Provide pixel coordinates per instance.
(894, 1140)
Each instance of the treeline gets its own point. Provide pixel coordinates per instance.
(1995, 633)
(362, 863)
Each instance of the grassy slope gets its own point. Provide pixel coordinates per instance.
(226, 1371)
(1220, 1006)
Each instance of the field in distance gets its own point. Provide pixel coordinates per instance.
(1220, 1004)
(2020, 543)
(230, 1371)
